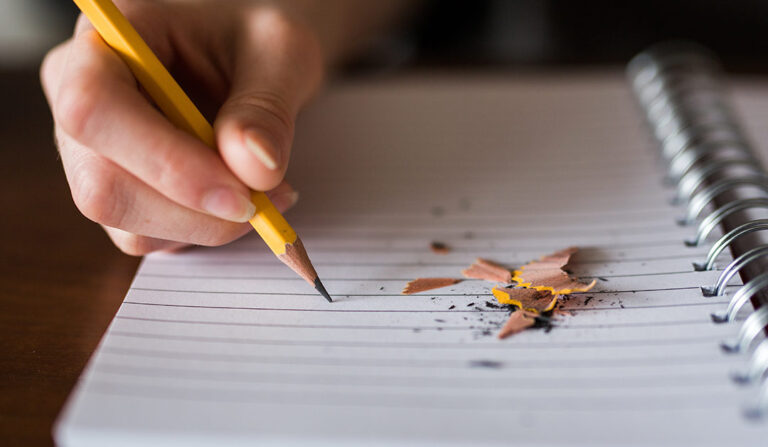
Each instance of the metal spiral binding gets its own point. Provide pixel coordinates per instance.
(693, 180)
(700, 200)
(707, 156)
(716, 217)
(732, 269)
(726, 239)
(740, 299)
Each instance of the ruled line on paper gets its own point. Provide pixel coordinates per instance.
(507, 216)
(533, 383)
(465, 250)
(377, 362)
(568, 309)
(486, 249)
(416, 345)
(722, 398)
(576, 177)
(465, 327)
(332, 278)
(375, 229)
(348, 295)
(268, 261)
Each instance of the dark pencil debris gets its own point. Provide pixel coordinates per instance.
(509, 316)
(439, 248)
(492, 364)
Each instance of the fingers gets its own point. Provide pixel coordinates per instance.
(147, 220)
(107, 194)
(284, 197)
(277, 69)
(152, 186)
(101, 108)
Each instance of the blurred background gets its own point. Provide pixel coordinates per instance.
(488, 32)
(29, 27)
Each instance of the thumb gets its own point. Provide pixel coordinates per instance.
(275, 73)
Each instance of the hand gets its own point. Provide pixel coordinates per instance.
(150, 185)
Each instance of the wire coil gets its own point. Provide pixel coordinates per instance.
(678, 86)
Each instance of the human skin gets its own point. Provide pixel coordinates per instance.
(250, 65)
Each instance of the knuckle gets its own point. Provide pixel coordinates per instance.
(276, 114)
(75, 108)
(290, 39)
(95, 193)
(51, 65)
(169, 168)
(272, 21)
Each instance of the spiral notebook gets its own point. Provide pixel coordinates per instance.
(225, 346)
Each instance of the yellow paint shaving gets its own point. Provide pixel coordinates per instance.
(564, 291)
(504, 297)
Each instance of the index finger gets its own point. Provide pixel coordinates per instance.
(100, 106)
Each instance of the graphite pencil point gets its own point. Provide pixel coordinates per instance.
(321, 288)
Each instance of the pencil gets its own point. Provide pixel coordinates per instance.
(123, 38)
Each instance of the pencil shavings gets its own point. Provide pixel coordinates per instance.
(424, 284)
(531, 300)
(487, 270)
(519, 321)
(547, 274)
(439, 248)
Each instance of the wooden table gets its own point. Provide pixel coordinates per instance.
(61, 279)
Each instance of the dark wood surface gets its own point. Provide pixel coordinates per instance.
(61, 279)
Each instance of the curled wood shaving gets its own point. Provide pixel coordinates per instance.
(424, 284)
(488, 270)
(519, 321)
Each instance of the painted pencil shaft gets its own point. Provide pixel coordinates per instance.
(123, 38)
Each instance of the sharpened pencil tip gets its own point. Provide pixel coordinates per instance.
(321, 288)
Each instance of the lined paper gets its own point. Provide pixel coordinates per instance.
(225, 345)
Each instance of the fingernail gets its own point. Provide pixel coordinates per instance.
(227, 204)
(265, 156)
(285, 200)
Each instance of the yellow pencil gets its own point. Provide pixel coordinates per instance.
(119, 34)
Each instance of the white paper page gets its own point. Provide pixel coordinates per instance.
(227, 346)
